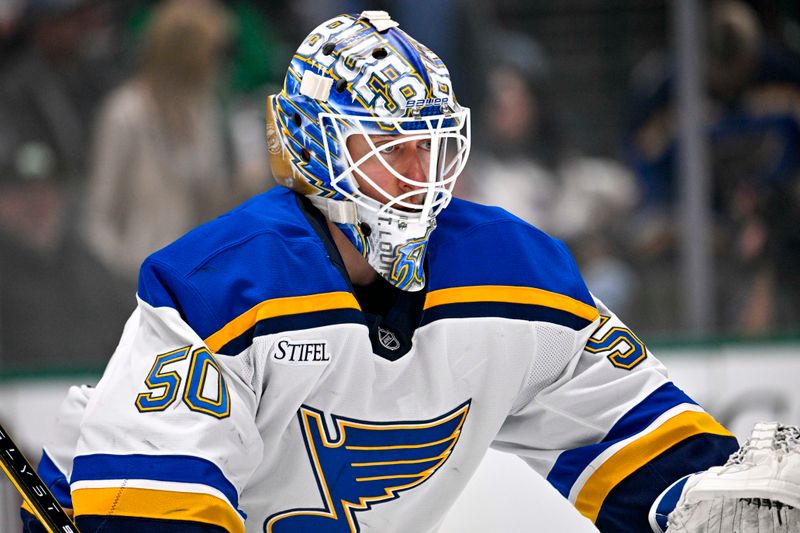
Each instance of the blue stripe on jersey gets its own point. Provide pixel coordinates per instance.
(571, 463)
(55, 480)
(476, 245)
(125, 524)
(504, 310)
(660, 400)
(263, 250)
(296, 322)
(268, 249)
(627, 506)
(174, 468)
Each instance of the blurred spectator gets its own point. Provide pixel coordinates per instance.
(55, 66)
(249, 72)
(254, 72)
(48, 93)
(753, 123)
(522, 163)
(49, 89)
(162, 159)
(9, 16)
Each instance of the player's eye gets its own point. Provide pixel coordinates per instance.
(388, 149)
(425, 145)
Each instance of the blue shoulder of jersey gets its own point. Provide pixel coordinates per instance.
(258, 269)
(484, 261)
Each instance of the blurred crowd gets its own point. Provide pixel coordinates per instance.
(125, 123)
(752, 123)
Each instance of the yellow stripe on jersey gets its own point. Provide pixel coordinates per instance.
(513, 295)
(638, 453)
(28, 508)
(157, 504)
(280, 307)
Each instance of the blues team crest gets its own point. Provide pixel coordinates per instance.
(366, 463)
(407, 269)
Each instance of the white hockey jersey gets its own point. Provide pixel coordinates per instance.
(251, 392)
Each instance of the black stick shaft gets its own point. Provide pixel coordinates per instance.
(32, 488)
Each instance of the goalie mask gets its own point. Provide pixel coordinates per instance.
(361, 81)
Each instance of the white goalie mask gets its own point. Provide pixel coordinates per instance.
(368, 128)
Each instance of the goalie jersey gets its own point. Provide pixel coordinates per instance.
(255, 389)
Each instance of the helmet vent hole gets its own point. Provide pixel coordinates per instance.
(306, 155)
(296, 119)
(327, 48)
(379, 53)
(341, 84)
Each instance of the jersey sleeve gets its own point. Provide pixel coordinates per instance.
(611, 432)
(168, 439)
(55, 464)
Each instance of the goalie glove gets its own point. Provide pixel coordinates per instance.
(756, 491)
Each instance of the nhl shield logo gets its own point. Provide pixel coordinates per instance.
(388, 339)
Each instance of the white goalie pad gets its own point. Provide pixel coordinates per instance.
(756, 491)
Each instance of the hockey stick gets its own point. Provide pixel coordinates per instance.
(32, 488)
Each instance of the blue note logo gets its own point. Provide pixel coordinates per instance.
(366, 463)
(407, 268)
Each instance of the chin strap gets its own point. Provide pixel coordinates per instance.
(338, 211)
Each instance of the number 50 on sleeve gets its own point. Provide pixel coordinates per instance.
(164, 384)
